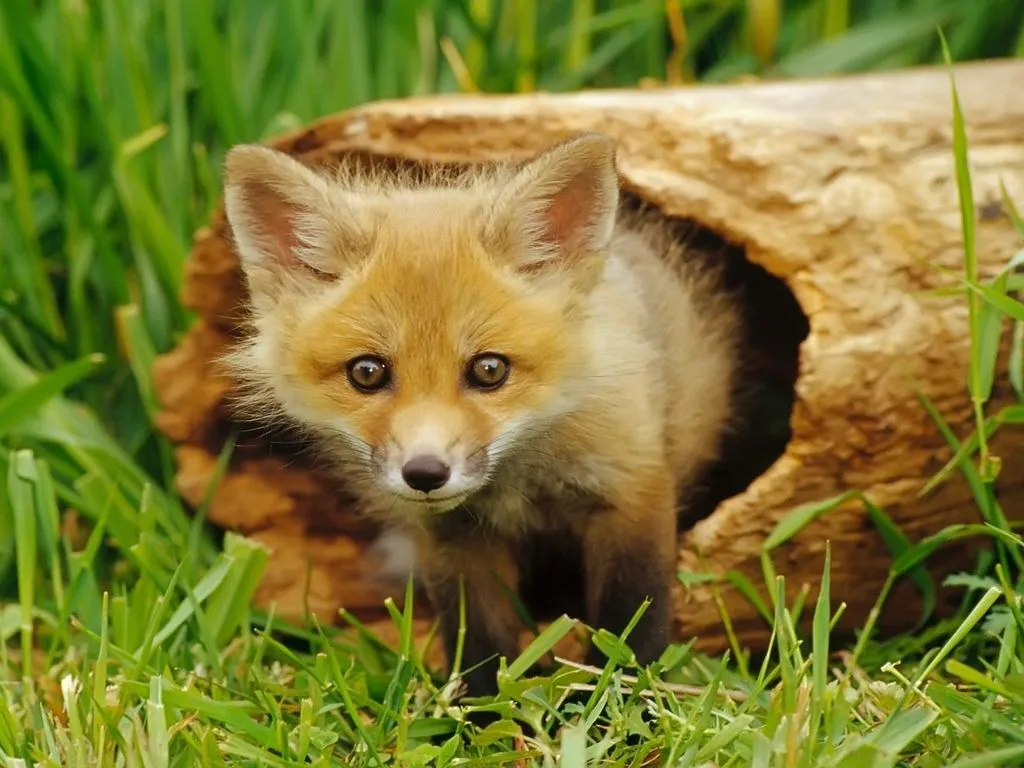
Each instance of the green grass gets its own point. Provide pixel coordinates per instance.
(135, 638)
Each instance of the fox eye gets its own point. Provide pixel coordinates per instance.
(487, 371)
(368, 373)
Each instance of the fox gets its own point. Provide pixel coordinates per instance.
(503, 363)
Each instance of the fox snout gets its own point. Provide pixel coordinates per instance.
(433, 455)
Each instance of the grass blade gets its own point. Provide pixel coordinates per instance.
(21, 404)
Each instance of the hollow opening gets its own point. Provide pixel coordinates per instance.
(773, 326)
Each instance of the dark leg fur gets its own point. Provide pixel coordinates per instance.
(483, 567)
(626, 563)
(480, 650)
(621, 597)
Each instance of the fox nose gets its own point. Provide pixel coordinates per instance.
(425, 473)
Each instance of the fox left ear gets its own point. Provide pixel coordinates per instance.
(561, 206)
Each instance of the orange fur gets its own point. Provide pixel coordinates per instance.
(622, 357)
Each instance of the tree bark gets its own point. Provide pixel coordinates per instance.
(844, 189)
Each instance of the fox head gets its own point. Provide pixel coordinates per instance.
(427, 329)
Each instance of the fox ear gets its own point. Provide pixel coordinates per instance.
(560, 206)
(288, 222)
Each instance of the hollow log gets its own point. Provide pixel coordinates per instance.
(836, 199)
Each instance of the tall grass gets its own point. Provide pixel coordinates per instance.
(126, 631)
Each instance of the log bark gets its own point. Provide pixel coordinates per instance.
(844, 189)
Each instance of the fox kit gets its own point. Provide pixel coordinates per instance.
(492, 360)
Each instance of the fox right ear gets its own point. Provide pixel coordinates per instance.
(560, 207)
(288, 222)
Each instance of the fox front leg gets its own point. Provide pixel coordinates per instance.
(629, 557)
(479, 569)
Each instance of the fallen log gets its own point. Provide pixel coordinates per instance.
(832, 201)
